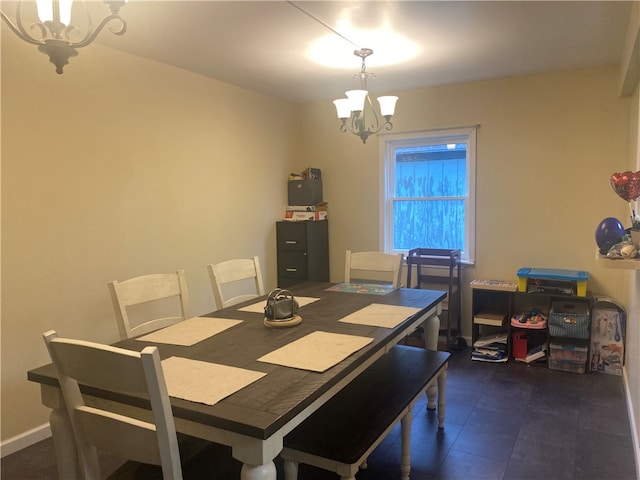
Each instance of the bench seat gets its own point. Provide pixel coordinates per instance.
(344, 431)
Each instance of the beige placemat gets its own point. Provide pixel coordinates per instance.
(190, 331)
(317, 351)
(204, 382)
(259, 307)
(379, 315)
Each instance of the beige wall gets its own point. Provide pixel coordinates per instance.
(122, 167)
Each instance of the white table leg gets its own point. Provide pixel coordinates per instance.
(405, 446)
(64, 444)
(442, 401)
(431, 328)
(258, 472)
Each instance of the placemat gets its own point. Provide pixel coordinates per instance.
(379, 315)
(204, 382)
(317, 351)
(190, 331)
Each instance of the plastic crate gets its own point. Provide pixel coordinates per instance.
(568, 358)
(568, 353)
(566, 365)
(569, 319)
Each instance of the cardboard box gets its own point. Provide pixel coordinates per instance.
(298, 216)
(607, 341)
(495, 319)
(320, 207)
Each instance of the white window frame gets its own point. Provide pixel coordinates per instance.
(387, 146)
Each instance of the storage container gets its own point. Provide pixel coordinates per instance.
(568, 358)
(566, 366)
(569, 319)
(305, 192)
(568, 352)
(551, 280)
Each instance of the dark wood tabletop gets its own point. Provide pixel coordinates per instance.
(262, 408)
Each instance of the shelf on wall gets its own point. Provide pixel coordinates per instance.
(603, 261)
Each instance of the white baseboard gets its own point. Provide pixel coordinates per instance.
(24, 440)
(632, 421)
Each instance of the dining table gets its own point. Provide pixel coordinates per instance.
(280, 376)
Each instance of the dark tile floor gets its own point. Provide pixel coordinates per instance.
(503, 421)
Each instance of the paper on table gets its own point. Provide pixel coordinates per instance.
(379, 315)
(317, 351)
(204, 382)
(259, 307)
(190, 331)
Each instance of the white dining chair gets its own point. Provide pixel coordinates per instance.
(145, 289)
(240, 278)
(95, 428)
(373, 266)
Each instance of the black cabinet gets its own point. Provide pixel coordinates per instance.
(303, 252)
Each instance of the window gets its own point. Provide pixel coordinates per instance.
(429, 191)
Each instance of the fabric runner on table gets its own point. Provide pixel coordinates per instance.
(259, 307)
(317, 351)
(204, 382)
(190, 331)
(379, 315)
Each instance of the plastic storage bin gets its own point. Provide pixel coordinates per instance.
(551, 280)
(568, 358)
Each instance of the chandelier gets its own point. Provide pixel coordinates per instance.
(351, 110)
(54, 28)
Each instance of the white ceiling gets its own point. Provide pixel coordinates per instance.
(261, 45)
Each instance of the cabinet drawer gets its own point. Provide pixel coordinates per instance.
(292, 264)
(292, 236)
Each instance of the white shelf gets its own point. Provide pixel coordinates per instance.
(603, 261)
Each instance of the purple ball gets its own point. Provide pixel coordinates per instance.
(609, 232)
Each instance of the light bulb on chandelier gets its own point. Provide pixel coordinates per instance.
(352, 110)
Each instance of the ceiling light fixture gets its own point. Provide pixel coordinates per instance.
(55, 27)
(351, 110)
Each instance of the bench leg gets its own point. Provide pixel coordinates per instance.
(290, 468)
(431, 329)
(405, 449)
(442, 400)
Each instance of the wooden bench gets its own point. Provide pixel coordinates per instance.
(344, 431)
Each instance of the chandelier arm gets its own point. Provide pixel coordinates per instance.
(93, 34)
(20, 31)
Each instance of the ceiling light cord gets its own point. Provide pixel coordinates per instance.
(331, 29)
